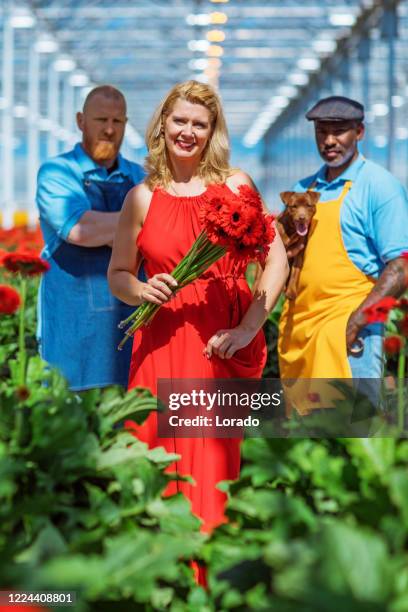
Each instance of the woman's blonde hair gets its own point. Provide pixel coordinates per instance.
(214, 166)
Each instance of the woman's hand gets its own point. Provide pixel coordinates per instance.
(225, 342)
(157, 289)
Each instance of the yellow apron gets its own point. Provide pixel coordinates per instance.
(312, 329)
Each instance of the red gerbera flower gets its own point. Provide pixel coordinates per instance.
(25, 263)
(378, 313)
(393, 345)
(9, 300)
(2, 255)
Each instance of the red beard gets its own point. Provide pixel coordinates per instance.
(104, 150)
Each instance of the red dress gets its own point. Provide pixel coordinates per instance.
(172, 345)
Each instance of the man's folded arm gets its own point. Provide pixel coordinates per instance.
(94, 229)
(63, 205)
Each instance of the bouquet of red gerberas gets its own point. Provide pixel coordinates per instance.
(235, 223)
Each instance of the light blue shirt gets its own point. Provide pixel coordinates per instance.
(374, 215)
(61, 198)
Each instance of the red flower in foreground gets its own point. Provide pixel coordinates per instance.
(27, 264)
(393, 345)
(313, 397)
(378, 313)
(9, 300)
(405, 255)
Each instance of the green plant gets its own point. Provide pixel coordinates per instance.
(314, 526)
(81, 503)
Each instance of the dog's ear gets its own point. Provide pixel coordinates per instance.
(286, 196)
(315, 195)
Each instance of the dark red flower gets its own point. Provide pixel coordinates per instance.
(378, 312)
(313, 397)
(22, 393)
(403, 326)
(25, 263)
(9, 300)
(403, 303)
(393, 345)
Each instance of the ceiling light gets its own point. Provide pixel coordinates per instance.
(201, 19)
(279, 102)
(214, 62)
(290, 91)
(401, 133)
(397, 101)
(21, 18)
(78, 79)
(46, 45)
(324, 45)
(219, 1)
(198, 64)
(211, 72)
(218, 18)
(298, 78)
(20, 111)
(216, 36)
(380, 109)
(45, 124)
(380, 141)
(62, 134)
(64, 64)
(342, 19)
(308, 63)
(198, 45)
(215, 51)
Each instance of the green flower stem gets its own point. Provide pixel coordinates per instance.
(401, 389)
(22, 361)
(22, 355)
(199, 245)
(199, 258)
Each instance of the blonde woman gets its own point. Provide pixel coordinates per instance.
(211, 328)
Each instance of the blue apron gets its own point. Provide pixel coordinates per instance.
(79, 314)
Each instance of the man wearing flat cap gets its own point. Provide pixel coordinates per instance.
(352, 258)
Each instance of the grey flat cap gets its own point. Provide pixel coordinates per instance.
(336, 108)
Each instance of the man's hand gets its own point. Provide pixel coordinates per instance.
(392, 281)
(355, 323)
(225, 342)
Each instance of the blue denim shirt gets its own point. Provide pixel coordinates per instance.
(78, 316)
(61, 198)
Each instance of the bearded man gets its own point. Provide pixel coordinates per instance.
(353, 255)
(79, 197)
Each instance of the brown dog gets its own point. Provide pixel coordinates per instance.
(293, 226)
